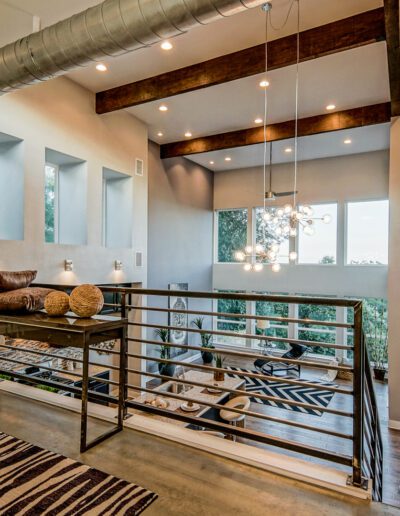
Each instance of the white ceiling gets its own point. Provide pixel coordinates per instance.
(348, 79)
(363, 139)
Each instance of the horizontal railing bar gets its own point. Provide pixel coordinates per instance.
(243, 433)
(241, 392)
(256, 415)
(243, 353)
(36, 352)
(53, 369)
(272, 398)
(314, 322)
(65, 387)
(301, 300)
(243, 336)
(267, 358)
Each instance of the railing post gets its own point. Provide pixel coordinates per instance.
(358, 399)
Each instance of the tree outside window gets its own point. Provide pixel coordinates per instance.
(232, 233)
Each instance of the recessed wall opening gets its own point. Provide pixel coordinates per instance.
(11, 188)
(65, 199)
(117, 209)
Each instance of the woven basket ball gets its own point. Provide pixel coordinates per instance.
(56, 303)
(86, 300)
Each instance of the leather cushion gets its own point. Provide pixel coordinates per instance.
(15, 280)
(23, 300)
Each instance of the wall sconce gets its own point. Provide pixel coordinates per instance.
(118, 265)
(68, 265)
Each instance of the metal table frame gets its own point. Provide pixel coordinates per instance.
(71, 331)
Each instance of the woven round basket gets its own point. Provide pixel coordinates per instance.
(56, 303)
(86, 300)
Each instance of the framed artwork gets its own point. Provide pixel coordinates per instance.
(176, 319)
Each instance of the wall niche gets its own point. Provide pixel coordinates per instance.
(11, 188)
(117, 209)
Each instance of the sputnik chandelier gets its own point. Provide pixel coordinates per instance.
(277, 225)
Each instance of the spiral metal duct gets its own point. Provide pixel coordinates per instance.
(111, 28)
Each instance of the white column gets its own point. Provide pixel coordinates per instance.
(394, 276)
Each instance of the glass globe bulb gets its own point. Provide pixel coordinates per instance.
(286, 229)
(267, 216)
(247, 267)
(240, 256)
(275, 248)
(293, 232)
(293, 256)
(259, 248)
(287, 208)
(307, 210)
(248, 249)
(299, 215)
(258, 267)
(276, 267)
(308, 230)
(271, 255)
(280, 212)
(326, 219)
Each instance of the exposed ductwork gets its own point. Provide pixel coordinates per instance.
(111, 28)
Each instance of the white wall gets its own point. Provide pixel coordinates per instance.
(394, 277)
(341, 179)
(60, 115)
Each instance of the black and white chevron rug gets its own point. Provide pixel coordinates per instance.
(317, 395)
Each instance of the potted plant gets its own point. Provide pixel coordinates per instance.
(164, 368)
(378, 345)
(206, 341)
(219, 362)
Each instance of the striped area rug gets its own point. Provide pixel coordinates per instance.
(34, 482)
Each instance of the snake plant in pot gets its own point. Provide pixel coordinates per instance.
(164, 368)
(206, 341)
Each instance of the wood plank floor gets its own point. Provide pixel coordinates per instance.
(391, 438)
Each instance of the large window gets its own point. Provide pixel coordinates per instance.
(231, 324)
(317, 333)
(51, 203)
(262, 236)
(321, 246)
(232, 233)
(367, 232)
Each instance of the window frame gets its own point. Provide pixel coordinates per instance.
(346, 226)
(216, 233)
(56, 169)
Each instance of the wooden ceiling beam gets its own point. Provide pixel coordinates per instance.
(358, 30)
(392, 22)
(340, 120)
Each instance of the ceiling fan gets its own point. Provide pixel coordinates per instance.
(271, 195)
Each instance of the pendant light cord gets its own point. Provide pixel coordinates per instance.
(297, 106)
(267, 14)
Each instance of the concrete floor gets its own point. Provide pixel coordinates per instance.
(188, 482)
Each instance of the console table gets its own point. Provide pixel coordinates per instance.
(72, 331)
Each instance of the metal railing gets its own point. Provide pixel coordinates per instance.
(350, 431)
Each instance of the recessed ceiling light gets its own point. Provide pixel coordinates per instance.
(160, 134)
(101, 67)
(211, 162)
(228, 158)
(264, 83)
(163, 107)
(188, 134)
(258, 121)
(347, 141)
(166, 45)
(330, 107)
(288, 150)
